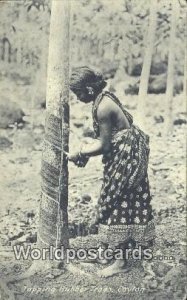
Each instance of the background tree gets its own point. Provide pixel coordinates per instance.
(149, 44)
(170, 71)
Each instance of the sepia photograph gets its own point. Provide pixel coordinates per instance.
(93, 149)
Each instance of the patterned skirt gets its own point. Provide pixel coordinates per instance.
(124, 211)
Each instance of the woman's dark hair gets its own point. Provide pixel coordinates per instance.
(83, 77)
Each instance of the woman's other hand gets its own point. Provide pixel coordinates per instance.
(81, 163)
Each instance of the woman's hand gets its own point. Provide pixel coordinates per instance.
(81, 163)
(78, 159)
(74, 157)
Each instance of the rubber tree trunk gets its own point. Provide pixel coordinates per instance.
(19, 39)
(170, 71)
(144, 80)
(185, 74)
(53, 216)
(185, 58)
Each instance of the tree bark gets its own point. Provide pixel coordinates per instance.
(144, 80)
(170, 71)
(53, 216)
(185, 71)
(185, 58)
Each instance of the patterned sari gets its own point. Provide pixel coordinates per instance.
(124, 212)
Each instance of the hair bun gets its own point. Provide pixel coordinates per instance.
(85, 76)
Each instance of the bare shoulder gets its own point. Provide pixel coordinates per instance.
(105, 108)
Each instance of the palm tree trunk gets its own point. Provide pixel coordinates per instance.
(53, 216)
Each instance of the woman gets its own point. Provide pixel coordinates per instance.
(124, 211)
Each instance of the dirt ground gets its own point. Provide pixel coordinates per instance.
(20, 194)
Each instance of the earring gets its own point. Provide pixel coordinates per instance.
(90, 90)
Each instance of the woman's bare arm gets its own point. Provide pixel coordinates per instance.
(101, 145)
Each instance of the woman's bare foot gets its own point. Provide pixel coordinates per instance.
(119, 266)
